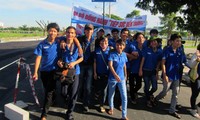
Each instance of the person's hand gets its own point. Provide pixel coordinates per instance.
(117, 78)
(135, 54)
(71, 65)
(165, 77)
(60, 63)
(35, 77)
(95, 76)
(140, 73)
(62, 45)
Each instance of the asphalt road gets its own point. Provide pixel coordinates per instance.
(12, 51)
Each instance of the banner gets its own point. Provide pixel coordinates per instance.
(84, 16)
(79, 29)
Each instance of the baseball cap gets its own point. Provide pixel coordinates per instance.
(153, 38)
(89, 26)
(101, 30)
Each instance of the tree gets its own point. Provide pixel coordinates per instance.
(23, 27)
(168, 23)
(133, 14)
(115, 17)
(190, 10)
(43, 26)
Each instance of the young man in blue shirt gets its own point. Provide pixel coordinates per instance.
(72, 58)
(46, 57)
(135, 81)
(117, 77)
(151, 58)
(171, 64)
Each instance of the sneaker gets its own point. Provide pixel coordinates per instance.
(178, 106)
(70, 117)
(155, 102)
(102, 109)
(175, 114)
(85, 109)
(152, 98)
(194, 113)
(149, 104)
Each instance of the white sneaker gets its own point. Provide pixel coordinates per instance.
(194, 113)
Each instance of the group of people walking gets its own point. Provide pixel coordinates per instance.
(110, 63)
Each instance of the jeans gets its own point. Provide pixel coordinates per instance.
(135, 83)
(71, 91)
(49, 84)
(149, 79)
(123, 92)
(174, 85)
(85, 85)
(195, 87)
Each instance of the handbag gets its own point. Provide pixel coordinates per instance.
(65, 74)
(192, 62)
(193, 73)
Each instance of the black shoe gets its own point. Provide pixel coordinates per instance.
(178, 106)
(175, 114)
(85, 109)
(70, 117)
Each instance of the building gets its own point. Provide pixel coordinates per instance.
(1, 24)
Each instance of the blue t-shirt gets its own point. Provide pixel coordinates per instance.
(111, 43)
(151, 58)
(135, 64)
(173, 62)
(49, 54)
(119, 60)
(101, 66)
(71, 56)
(128, 49)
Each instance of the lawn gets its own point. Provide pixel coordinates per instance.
(10, 36)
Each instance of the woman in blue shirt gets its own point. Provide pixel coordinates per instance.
(101, 70)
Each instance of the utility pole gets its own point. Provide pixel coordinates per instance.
(109, 10)
(103, 13)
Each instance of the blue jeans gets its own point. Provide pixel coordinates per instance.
(122, 88)
(174, 85)
(149, 80)
(85, 85)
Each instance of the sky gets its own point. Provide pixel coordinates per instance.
(15, 13)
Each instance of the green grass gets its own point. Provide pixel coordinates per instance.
(8, 36)
(188, 43)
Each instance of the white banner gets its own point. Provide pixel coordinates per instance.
(84, 16)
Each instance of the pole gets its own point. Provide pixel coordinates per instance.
(103, 12)
(17, 81)
(109, 10)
